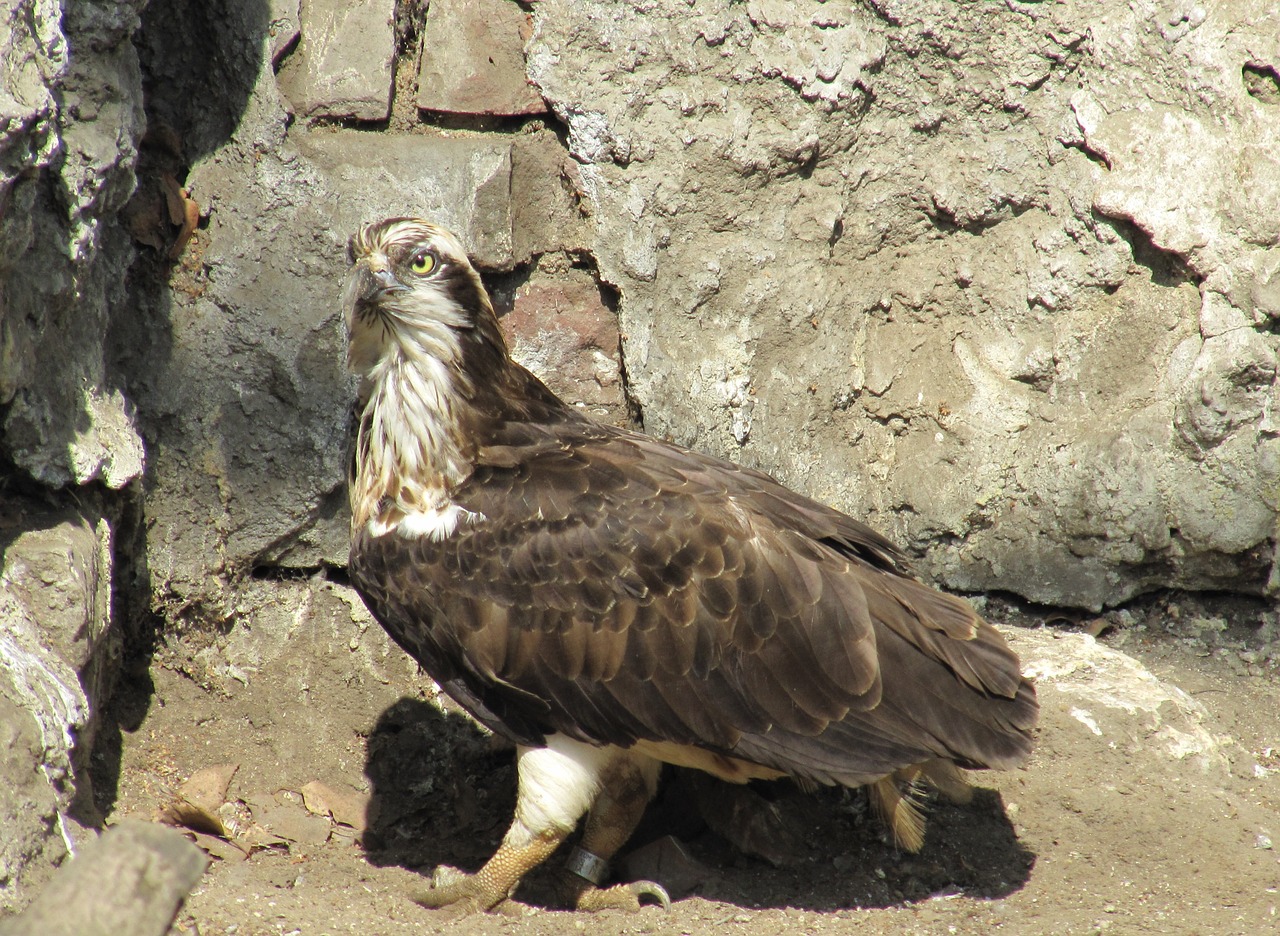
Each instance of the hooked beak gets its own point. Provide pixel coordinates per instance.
(375, 281)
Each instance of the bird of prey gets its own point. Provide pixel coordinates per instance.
(611, 602)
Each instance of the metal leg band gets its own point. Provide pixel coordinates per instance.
(586, 865)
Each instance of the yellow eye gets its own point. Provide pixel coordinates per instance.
(423, 263)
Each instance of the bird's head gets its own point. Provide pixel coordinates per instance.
(412, 296)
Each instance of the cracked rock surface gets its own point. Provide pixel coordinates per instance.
(995, 276)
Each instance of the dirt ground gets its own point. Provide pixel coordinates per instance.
(1119, 824)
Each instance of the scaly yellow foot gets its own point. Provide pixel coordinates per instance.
(622, 896)
(461, 894)
(458, 893)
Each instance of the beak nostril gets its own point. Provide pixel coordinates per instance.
(375, 281)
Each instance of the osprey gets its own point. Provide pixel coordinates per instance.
(610, 602)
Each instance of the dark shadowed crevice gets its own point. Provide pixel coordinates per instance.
(1167, 268)
(1262, 82)
(1092, 155)
(503, 285)
(277, 573)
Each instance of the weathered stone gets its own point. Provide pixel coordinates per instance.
(473, 59)
(31, 843)
(846, 256)
(342, 66)
(285, 27)
(58, 658)
(821, 52)
(1118, 701)
(667, 862)
(35, 54)
(547, 205)
(129, 882)
(65, 421)
(560, 328)
(462, 181)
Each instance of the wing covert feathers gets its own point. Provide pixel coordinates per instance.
(620, 589)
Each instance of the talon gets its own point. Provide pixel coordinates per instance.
(456, 894)
(621, 897)
(650, 889)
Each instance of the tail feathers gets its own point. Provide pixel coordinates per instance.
(899, 809)
(897, 798)
(945, 777)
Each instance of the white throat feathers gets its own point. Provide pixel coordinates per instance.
(404, 341)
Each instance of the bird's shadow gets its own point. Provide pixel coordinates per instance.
(443, 793)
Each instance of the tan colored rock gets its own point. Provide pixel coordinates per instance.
(462, 181)
(129, 882)
(342, 66)
(473, 59)
(58, 657)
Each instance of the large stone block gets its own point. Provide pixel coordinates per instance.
(547, 202)
(473, 59)
(342, 66)
(129, 882)
(74, 90)
(463, 181)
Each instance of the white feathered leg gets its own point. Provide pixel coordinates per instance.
(557, 785)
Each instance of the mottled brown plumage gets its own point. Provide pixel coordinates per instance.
(560, 577)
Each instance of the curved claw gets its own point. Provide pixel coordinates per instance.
(620, 896)
(650, 889)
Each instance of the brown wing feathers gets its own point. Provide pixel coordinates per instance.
(640, 591)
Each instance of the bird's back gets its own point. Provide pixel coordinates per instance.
(618, 589)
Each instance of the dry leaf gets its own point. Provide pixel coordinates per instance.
(346, 807)
(195, 805)
(256, 837)
(224, 849)
(315, 796)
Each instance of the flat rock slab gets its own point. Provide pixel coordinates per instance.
(129, 882)
(463, 182)
(342, 66)
(473, 59)
(562, 330)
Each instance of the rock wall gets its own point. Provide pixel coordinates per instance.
(71, 116)
(1002, 279)
(995, 276)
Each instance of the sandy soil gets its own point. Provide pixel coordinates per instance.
(1107, 829)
